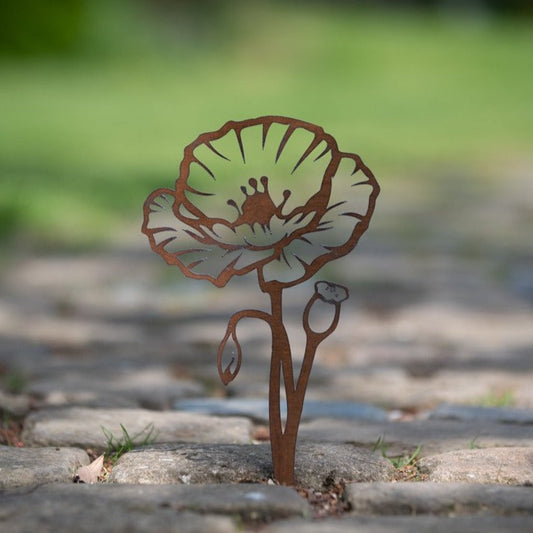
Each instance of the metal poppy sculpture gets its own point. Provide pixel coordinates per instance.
(285, 235)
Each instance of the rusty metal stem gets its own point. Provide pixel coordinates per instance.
(282, 442)
(283, 439)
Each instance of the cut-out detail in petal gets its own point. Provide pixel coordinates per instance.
(286, 269)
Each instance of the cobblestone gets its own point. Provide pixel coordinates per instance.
(469, 413)
(20, 467)
(15, 405)
(257, 409)
(404, 524)
(85, 346)
(317, 466)
(64, 508)
(438, 498)
(435, 436)
(87, 428)
(512, 466)
(104, 384)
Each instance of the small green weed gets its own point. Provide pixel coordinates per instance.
(398, 461)
(472, 444)
(498, 399)
(14, 382)
(116, 447)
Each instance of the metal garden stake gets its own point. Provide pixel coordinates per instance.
(297, 203)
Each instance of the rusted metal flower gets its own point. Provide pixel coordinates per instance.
(285, 234)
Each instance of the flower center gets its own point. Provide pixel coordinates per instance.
(258, 206)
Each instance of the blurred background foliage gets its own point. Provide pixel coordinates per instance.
(98, 98)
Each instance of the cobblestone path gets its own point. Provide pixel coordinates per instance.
(419, 413)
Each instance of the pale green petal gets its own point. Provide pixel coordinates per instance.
(165, 229)
(285, 269)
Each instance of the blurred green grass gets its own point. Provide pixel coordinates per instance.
(85, 137)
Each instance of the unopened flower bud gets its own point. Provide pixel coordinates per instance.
(331, 293)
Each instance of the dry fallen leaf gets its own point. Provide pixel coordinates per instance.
(90, 473)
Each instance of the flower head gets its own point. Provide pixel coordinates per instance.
(285, 234)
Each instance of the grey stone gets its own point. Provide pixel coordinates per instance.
(322, 465)
(78, 508)
(316, 465)
(521, 282)
(166, 505)
(513, 466)
(20, 356)
(257, 409)
(435, 436)
(393, 387)
(407, 524)
(16, 405)
(437, 498)
(249, 501)
(21, 467)
(83, 427)
(490, 414)
(103, 385)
